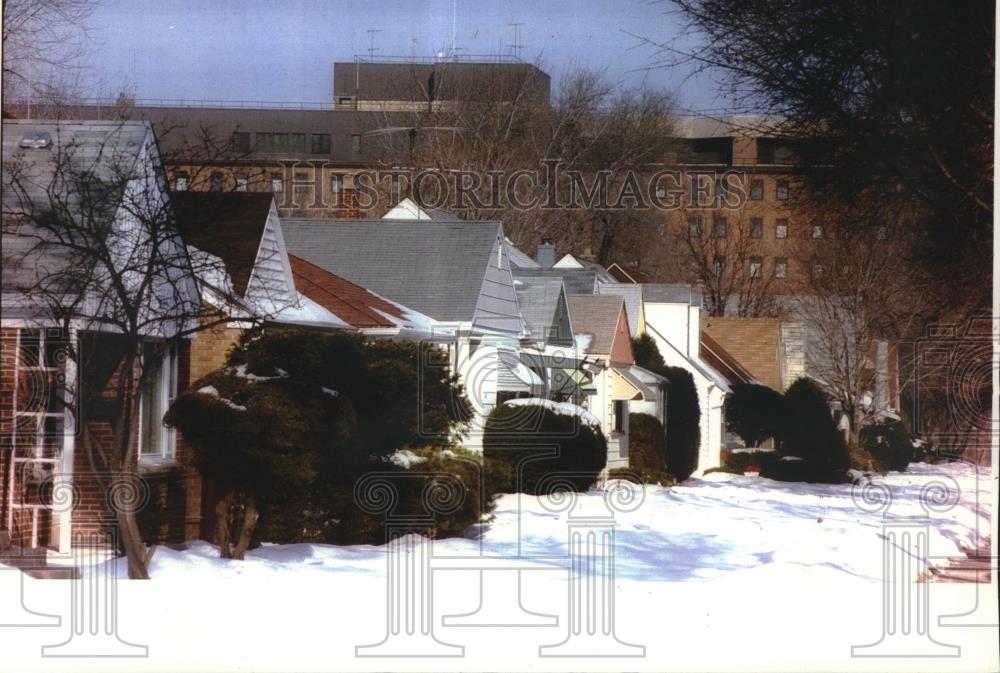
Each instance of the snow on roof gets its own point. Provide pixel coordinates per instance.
(559, 408)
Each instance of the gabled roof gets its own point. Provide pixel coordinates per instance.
(671, 293)
(350, 302)
(570, 261)
(596, 315)
(631, 293)
(408, 209)
(519, 258)
(538, 299)
(722, 361)
(577, 281)
(623, 275)
(438, 268)
(108, 151)
(228, 225)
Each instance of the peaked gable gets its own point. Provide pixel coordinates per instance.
(621, 344)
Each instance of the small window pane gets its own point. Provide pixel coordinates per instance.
(180, 181)
(757, 190)
(240, 142)
(756, 265)
(694, 227)
(780, 267)
(720, 265)
(216, 181)
(320, 143)
(756, 227)
(817, 231)
(781, 190)
(781, 229)
(721, 228)
(277, 183)
(241, 183)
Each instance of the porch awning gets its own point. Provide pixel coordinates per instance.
(627, 386)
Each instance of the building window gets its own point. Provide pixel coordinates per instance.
(180, 181)
(720, 264)
(277, 183)
(757, 227)
(780, 267)
(781, 228)
(242, 182)
(619, 414)
(720, 228)
(281, 143)
(216, 181)
(156, 441)
(320, 143)
(694, 227)
(817, 231)
(720, 190)
(757, 189)
(817, 269)
(240, 142)
(756, 266)
(781, 190)
(355, 146)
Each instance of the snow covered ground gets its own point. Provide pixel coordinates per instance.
(723, 571)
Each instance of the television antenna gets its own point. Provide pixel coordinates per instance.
(517, 38)
(371, 41)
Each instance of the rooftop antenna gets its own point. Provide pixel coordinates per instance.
(454, 23)
(371, 42)
(517, 39)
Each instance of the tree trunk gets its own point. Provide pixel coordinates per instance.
(135, 548)
(250, 516)
(222, 510)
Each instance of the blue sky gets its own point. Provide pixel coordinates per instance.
(284, 51)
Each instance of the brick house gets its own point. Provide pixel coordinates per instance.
(59, 372)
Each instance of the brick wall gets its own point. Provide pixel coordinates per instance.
(174, 490)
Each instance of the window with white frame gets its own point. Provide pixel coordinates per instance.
(156, 441)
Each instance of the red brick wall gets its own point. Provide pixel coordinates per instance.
(174, 492)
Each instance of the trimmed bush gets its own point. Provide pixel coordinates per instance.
(285, 431)
(647, 355)
(889, 444)
(522, 442)
(683, 418)
(754, 412)
(647, 449)
(810, 433)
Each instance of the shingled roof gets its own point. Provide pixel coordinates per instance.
(106, 152)
(350, 302)
(228, 225)
(596, 315)
(722, 361)
(439, 268)
(538, 299)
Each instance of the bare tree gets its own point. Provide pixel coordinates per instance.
(43, 42)
(718, 251)
(94, 248)
(860, 290)
(501, 124)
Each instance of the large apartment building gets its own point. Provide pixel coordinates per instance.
(743, 218)
(308, 154)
